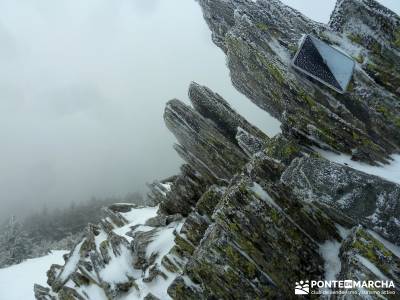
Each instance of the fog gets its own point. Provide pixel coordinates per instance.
(83, 85)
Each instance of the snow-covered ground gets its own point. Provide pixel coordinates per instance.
(16, 282)
(389, 172)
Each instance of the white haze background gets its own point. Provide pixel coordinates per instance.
(83, 85)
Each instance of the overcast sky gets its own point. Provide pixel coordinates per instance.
(83, 85)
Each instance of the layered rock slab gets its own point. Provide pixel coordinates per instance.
(364, 198)
(364, 258)
(201, 144)
(260, 38)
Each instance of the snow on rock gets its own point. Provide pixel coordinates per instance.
(167, 185)
(119, 262)
(330, 252)
(365, 257)
(392, 247)
(363, 198)
(71, 264)
(161, 244)
(370, 266)
(93, 292)
(140, 215)
(16, 282)
(260, 192)
(248, 32)
(389, 172)
(119, 268)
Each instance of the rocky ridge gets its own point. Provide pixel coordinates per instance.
(260, 38)
(249, 215)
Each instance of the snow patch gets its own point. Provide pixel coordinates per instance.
(72, 263)
(343, 232)
(93, 292)
(370, 266)
(16, 282)
(260, 192)
(119, 268)
(389, 172)
(140, 215)
(390, 246)
(330, 253)
(102, 236)
(167, 186)
(163, 242)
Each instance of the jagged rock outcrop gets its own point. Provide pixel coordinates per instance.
(260, 38)
(212, 106)
(122, 262)
(247, 236)
(232, 260)
(250, 215)
(201, 144)
(179, 193)
(366, 259)
(366, 199)
(377, 30)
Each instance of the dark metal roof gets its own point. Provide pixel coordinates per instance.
(324, 63)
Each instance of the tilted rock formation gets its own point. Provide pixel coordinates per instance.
(117, 260)
(212, 106)
(260, 38)
(248, 236)
(377, 30)
(360, 252)
(367, 199)
(179, 193)
(201, 144)
(250, 215)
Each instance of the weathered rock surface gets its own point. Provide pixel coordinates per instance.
(366, 199)
(202, 145)
(377, 30)
(247, 236)
(212, 106)
(234, 259)
(122, 262)
(249, 215)
(177, 194)
(260, 38)
(363, 258)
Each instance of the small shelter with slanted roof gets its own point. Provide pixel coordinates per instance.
(324, 63)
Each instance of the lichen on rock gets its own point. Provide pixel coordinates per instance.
(247, 215)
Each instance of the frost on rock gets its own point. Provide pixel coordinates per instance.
(365, 258)
(364, 198)
(248, 215)
(364, 121)
(108, 264)
(390, 172)
(248, 142)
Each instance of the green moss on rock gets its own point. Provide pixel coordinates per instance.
(282, 149)
(262, 26)
(184, 245)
